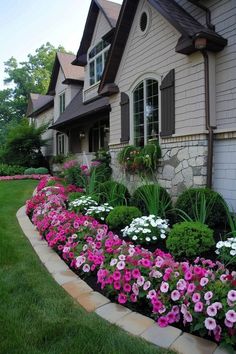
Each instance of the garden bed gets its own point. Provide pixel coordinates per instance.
(178, 293)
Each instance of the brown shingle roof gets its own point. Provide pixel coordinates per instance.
(110, 10)
(188, 26)
(71, 72)
(76, 109)
(38, 103)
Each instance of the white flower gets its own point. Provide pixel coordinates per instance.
(113, 262)
(148, 239)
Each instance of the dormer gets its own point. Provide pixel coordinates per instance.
(95, 44)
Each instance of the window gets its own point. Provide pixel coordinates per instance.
(60, 144)
(99, 136)
(62, 102)
(97, 58)
(145, 112)
(143, 21)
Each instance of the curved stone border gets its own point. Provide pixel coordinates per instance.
(92, 301)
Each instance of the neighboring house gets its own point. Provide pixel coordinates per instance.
(40, 112)
(174, 65)
(86, 118)
(66, 81)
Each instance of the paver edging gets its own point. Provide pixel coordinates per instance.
(149, 333)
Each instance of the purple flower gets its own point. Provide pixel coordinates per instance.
(208, 295)
(231, 316)
(198, 307)
(210, 323)
(232, 295)
(211, 311)
(204, 281)
(188, 317)
(164, 287)
(175, 295)
(228, 323)
(196, 297)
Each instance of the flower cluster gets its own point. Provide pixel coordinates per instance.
(146, 229)
(88, 206)
(200, 296)
(227, 250)
(70, 164)
(19, 177)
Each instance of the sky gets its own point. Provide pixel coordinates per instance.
(25, 25)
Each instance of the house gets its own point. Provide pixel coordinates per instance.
(40, 112)
(86, 119)
(171, 74)
(66, 81)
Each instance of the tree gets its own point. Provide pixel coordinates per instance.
(23, 145)
(32, 75)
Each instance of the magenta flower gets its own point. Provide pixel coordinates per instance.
(133, 298)
(116, 275)
(196, 297)
(175, 295)
(171, 317)
(210, 323)
(188, 275)
(204, 281)
(191, 287)
(127, 287)
(231, 316)
(208, 295)
(232, 295)
(164, 287)
(116, 285)
(228, 323)
(198, 307)
(162, 321)
(211, 311)
(136, 273)
(122, 298)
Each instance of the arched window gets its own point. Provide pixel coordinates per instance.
(145, 112)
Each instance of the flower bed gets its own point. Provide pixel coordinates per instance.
(18, 177)
(200, 296)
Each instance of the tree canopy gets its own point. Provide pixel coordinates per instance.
(32, 75)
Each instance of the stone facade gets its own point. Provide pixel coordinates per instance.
(183, 165)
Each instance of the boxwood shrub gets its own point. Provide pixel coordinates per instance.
(11, 170)
(189, 239)
(122, 216)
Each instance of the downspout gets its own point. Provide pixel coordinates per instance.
(208, 120)
(207, 11)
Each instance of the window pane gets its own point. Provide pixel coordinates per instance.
(62, 102)
(99, 68)
(92, 73)
(138, 101)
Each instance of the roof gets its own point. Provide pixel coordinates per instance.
(111, 12)
(71, 73)
(38, 104)
(76, 109)
(189, 28)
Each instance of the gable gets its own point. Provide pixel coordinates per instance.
(102, 27)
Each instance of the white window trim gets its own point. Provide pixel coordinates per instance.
(93, 59)
(143, 77)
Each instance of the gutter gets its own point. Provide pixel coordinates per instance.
(208, 13)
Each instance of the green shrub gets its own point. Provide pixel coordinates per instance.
(58, 159)
(121, 216)
(114, 193)
(73, 196)
(30, 171)
(152, 199)
(202, 204)
(11, 170)
(189, 239)
(41, 171)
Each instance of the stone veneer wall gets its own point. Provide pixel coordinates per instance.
(183, 165)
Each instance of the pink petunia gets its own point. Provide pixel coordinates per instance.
(211, 311)
(198, 307)
(164, 287)
(208, 295)
(162, 321)
(136, 273)
(204, 281)
(231, 316)
(196, 297)
(188, 317)
(127, 287)
(228, 324)
(175, 295)
(122, 298)
(210, 323)
(231, 295)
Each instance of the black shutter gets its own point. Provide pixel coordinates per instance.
(125, 129)
(168, 104)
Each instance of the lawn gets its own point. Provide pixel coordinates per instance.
(36, 315)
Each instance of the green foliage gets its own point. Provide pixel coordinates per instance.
(29, 171)
(122, 216)
(23, 144)
(41, 171)
(11, 170)
(189, 239)
(152, 199)
(203, 205)
(140, 159)
(73, 176)
(73, 196)
(58, 158)
(32, 75)
(103, 157)
(114, 193)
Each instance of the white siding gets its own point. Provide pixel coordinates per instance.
(223, 15)
(46, 117)
(155, 53)
(224, 176)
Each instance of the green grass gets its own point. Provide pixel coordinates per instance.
(36, 315)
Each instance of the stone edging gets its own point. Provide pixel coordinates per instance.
(92, 301)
